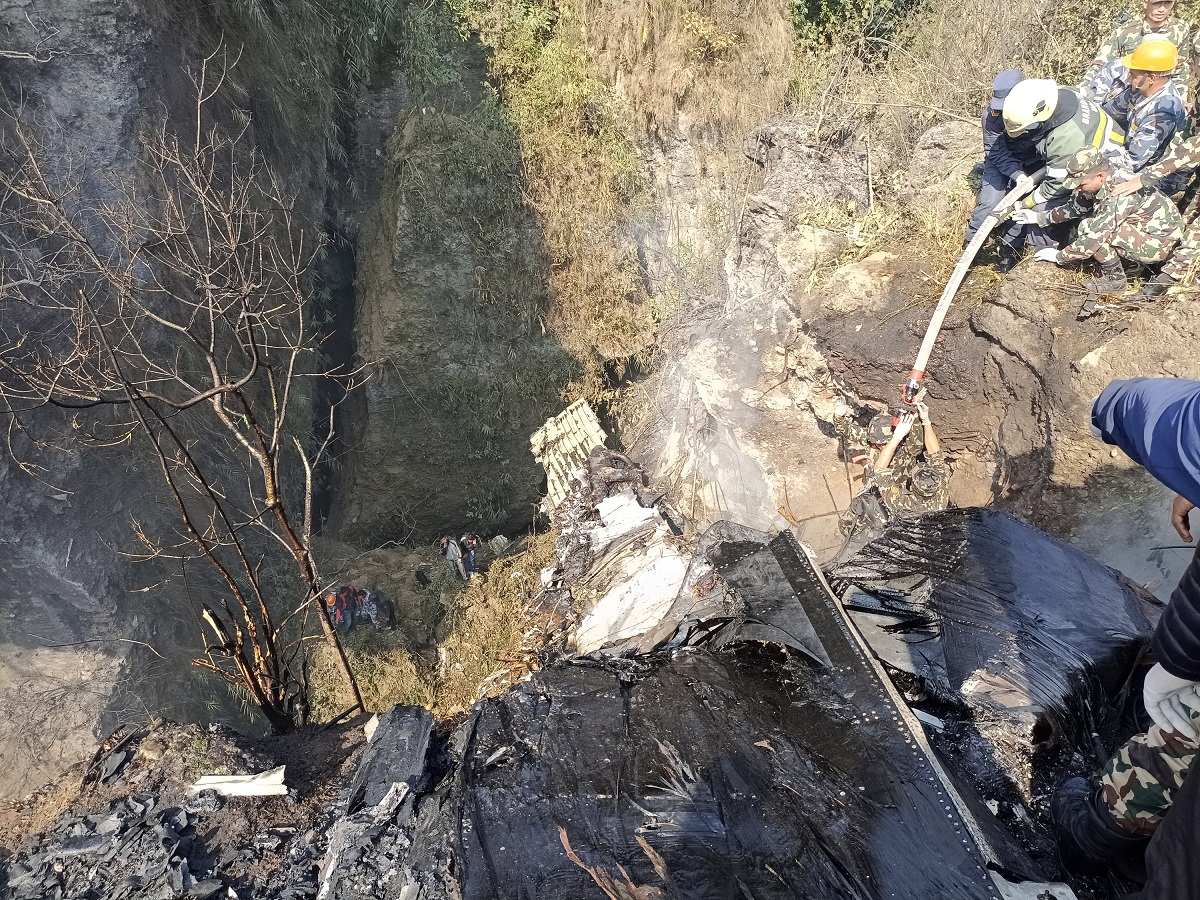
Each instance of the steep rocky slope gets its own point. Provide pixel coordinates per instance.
(751, 236)
(449, 325)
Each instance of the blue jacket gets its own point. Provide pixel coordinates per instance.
(1156, 421)
(1009, 156)
(1149, 122)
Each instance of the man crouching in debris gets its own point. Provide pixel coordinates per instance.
(1142, 227)
(906, 471)
(1147, 791)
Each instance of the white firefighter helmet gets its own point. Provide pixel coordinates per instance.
(1029, 102)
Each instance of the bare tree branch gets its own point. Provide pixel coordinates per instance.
(177, 313)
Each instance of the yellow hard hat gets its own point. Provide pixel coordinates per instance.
(1156, 55)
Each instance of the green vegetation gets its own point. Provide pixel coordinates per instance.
(825, 23)
(579, 174)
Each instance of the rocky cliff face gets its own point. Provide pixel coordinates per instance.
(78, 614)
(753, 375)
(450, 299)
(63, 586)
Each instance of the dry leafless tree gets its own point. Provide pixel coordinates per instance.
(171, 307)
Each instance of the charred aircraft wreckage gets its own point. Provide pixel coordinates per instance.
(726, 720)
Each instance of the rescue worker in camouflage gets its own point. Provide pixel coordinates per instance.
(1137, 92)
(1149, 782)
(914, 483)
(1061, 124)
(1183, 266)
(906, 471)
(1157, 21)
(1142, 227)
(1138, 782)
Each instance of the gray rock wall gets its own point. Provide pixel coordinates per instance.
(450, 296)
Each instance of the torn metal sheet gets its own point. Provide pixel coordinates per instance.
(637, 602)
(1032, 634)
(748, 772)
(622, 517)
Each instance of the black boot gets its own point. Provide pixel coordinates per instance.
(1007, 258)
(1152, 290)
(1111, 281)
(1089, 839)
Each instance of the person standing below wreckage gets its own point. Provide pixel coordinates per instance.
(906, 471)
(1148, 796)
(1143, 227)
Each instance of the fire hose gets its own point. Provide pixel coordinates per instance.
(999, 213)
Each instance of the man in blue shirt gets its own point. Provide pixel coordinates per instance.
(1138, 92)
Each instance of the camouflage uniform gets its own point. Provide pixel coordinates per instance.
(1139, 783)
(1184, 156)
(1143, 226)
(896, 486)
(1125, 39)
(860, 436)
(1149, 122)
(899, 490)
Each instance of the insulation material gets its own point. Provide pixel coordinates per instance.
(563, 445)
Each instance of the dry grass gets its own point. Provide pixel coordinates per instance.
(580, 175)
(940, 62)
(722, 65)
(483, 650)
(588, 85)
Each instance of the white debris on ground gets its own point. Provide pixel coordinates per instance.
(262, 784)
(619, 564)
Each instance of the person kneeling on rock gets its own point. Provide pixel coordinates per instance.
(906, 471)
(1143, 226)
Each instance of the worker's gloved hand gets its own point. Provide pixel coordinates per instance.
(1024, 182)
(1003, 213)
(1180, 509)
(841, 409)
(903, 427)
(1046, 254)
(1025, 217)
(1128, 187)
(923, 412)
(1170, 700)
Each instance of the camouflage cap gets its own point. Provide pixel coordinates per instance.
(1084, 163)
